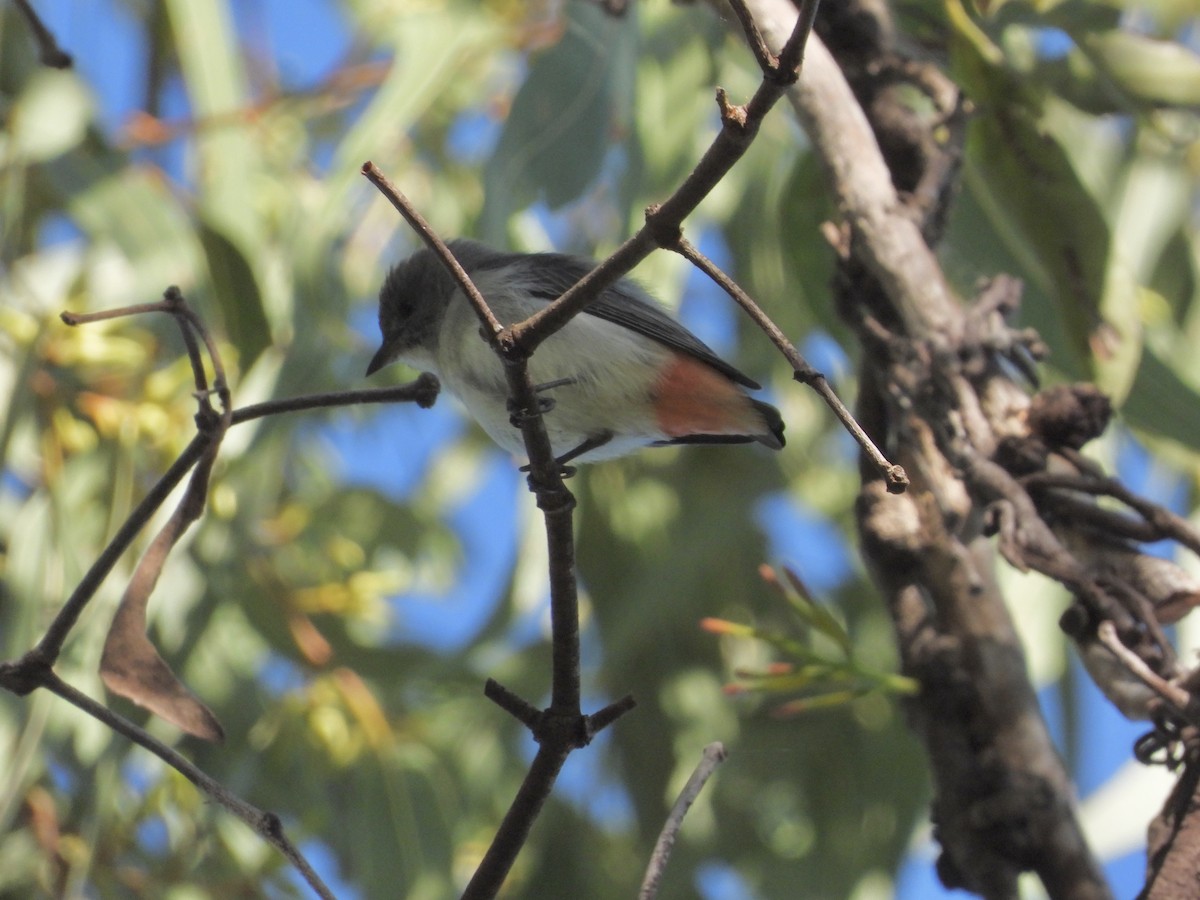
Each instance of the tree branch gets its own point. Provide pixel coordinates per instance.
(711, 757)
(35, 668)
(51, 54)
(1003, 803)
(664, 221)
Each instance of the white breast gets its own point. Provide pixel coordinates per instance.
(613, 371)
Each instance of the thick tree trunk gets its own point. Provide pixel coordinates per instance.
(937, 399)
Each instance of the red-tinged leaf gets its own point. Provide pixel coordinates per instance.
(130, 665)
(723, 626)
(809, 704)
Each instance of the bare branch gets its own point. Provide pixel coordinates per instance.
(1173, 694)
(664, 221)
(992, 758)
(423, 392)
(562, 727)
(265, 824)
(492, 325)
(1164, 523)
(712, 756)
(52, 641)
(803, 372)
(762, 55)
(130, 665)
(50, 53)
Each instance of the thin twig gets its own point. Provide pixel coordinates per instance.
(190, 325)
(1172, 693)
(492, 325)
(513, 704)
(545, 474)
(50, 54)
(663, 221)
(1086, 513)
(791, 57)
(562, 727)
(134, 309)
(714, 754)
(605, 716)
(895, 476)
(423, 392)
(187, 319)
(767, 61)
(266, 825)
(514, 829)
(35, 668)
(130, 665)
(1165, 522)
(557, 505)
(52, 641)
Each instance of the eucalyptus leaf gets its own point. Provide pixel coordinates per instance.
(1161, 403)
(236, 293)
(1028, 185)
(1151, 71)
(562, 120)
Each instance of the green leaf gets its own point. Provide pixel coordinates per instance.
(236, 294)
(132, 209)
(1150, 71)
(1025, 180)
(1162, 403)
(816, 615)
(562, 119)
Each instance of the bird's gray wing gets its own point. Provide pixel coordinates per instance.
(624, 303)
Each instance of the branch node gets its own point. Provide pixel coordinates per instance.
(553, 497)
(733, 115)
(271, 824)
(563, 731)
(665, 231)
(26, 674)
(508, 342)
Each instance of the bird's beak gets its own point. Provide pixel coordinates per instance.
(381, 358)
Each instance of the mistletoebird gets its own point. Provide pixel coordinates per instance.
(621, 375)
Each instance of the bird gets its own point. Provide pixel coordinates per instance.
(621, 375)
